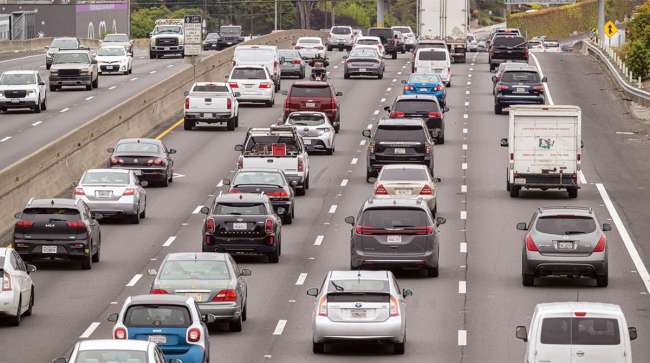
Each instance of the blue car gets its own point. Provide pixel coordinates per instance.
(426, 84)
(171, 321)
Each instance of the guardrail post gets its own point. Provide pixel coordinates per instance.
(640, 83)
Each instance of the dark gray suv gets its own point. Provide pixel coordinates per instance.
(395, 232)
(564, 241)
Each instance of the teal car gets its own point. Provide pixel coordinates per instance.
(426, 84)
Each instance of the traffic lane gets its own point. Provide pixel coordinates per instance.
(434, 312)
(21, 60)
(495, 246)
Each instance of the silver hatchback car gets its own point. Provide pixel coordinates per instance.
(316, 130)
(359, 306)
(564, 241)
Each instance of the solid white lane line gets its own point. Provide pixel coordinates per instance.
(6, 138)
(112, 87)
(279, 328)
(332, 209)
(169, 241)
(65, 110)
(581, 175)
(463, 166)
(26, 57)
(464, 147)
(170, 66)
(625, 236)
(463, 247)
(89, 98)
(197, 209)
(354, 161)
(319, 240)
(547, 91)
(463, 215)
(462, 287)
(90, 330)
(462, 338)
(37, 123)
(134, 280)
(463, 188)
(376, 112)
(220, 183)
(301, 279)
(362, 142)
(344, 182)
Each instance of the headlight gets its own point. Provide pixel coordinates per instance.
(83, 71)
(2, 94)
(30, 92)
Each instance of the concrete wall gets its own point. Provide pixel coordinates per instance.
(94, 20)
(51, 169)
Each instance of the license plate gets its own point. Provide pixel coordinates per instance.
(362, 69)
(399, 150)
(49, 249)
(359, 313)
(137, 172)
(520, 90)
(15, 101)
(166, 48)
(248, 85)
(239, 226)
(404, 192)
(229, 43)
(158, 339)
(306, 141)
(208, 115)
(196, 297)
(310, 104)
(520, 180)
(565, 245)
(110, 68)
(393, 239)
(103, 193)
(424, 89)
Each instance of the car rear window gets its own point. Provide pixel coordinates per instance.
(416, 106)
(210, 88)
(520, 76)
(65, 214)
(368, 42)
(212, 36)
(137, 147)
(508, 41)
(240, 209)
(432, 55)
(264, 144)
(194, 270)
(309, 40)
(565, 225)
(256, 55)
(64, 43)
(400, 133)
(116, 38)
(394, 218)
(341, 30)
(258, 177)
(580, 331)
(286, 53)
(403, 174)
(15, 79)
(403, 29)
(248, 73)
(306, 120)
(160, 316)
(111, 356)
(105, 177)
(364, 53)
(424, 78)
(311, 91)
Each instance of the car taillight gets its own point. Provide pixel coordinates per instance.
(295, 61)
(119, 333)
(79, 191)
(158, 292)
(408, 88)
(371, 147)
(234, 85)
(435, 114)
(210, 225)
(129, 191)
(23, 223)
(269, 226)
(422, 230)
(234, 190)
(600, 246)
(530, 244)
(380, 190)
(397, 114)
(156, 161)
(333, 103)
(226, 295)
(322, 306)
(240, 162)
(502, 87)
(580, 314)
(301, 164)
(193, 335)
(187, 103)
(394, 306)
(78, 225)
(234, 63)
(265, 85)
(229, 104)
(439, 88)
(363, 230)
(116, 161)
(538, 87)
(279, 193)
(6, 282)
(426, 190)
(275, 67)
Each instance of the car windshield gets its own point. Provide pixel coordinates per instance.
(508, 41)
(289, 54)
(81, 58)
(168, 29)
(368, 42)
(111, 356)
(416, 106)
(364, 53)
(432, 45)
(248, 73)
(358, 285)
(402, 29)
(65, 43)
(432, 55)
(520, 76)
(210, 88)
(15, 79)
(240, 209)
(160, 316)
(403, 174)
(341, 30)
(137, 147)
(580, 331)
(230, 30)
(115, 52)
(565, 225)
(45, 214)
(116, 38)
(306, 120)
(194, 270)
(400, 133)
(394, 218)
(311, 91)
(258, 177)
(309, 40)
(257, 55)
(212, 36)
(105, 177)
(424, 78)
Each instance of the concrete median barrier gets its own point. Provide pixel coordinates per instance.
(36, 44)
(50, 170)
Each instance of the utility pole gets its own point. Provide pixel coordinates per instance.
(333, 5)
(275, 18)
(380, 13)
(601, 19)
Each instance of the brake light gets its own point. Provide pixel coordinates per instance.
(268, 226)
(578, 157)
(319, 47)
(397, 114)
(78, 225)
(408, 88)
(426, 190)
(229, 104)
(234, 190)
(600, 246)
(322, 306)
(301, 164)
(428, 148)
(79, 191)
(6, 282)
(530, 244)
(580, 314)
(333, 103)
(435, 114)
(210, 225)
(158, 292)
(280, 193)
(295, 61)
(512, 156)
(265, 85)
(363, 230)
(129, 191)
(226, 295)
(380, 190)
(502, 87)
(439, 88)
(538, 87)
(421, 230)
(156, 161)
(23, 223)
(116, 161)
(119, 333)
(193, 335)
(394, 306)
(234, 85)
(187, 103)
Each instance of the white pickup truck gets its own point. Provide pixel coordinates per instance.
(276, 147)
(211, 103)
(544, 148)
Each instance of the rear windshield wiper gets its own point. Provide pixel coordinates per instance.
(575, 232)
(337, 287)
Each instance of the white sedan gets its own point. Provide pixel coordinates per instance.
(310, 47)
(17, 291)
(114, 59)
(113, 350)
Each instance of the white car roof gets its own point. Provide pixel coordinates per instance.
(112, 170)
(20, 72)
(433, 50)
(112, 46)
(273, 47)
(366, 46)
(311, 38)
(404, 166)
(249, 66)
(361, 274)
(99, 344)
(211, 83)
(368, 37)
(578, 306)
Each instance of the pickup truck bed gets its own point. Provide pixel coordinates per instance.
(212, 108)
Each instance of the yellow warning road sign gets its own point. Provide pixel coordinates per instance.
(610, 29)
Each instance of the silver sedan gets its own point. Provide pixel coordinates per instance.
(316, 130)
(359, 306)
(214, 280)
(407, 181)
(113, 193)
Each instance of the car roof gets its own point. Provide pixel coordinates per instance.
(20, 72)
(397, 202)
(404, 166)
(198, 256)
(368, 37)
(310, 84)
(112, 46)
(416, 97)
(65, 38)
(80, 50)
(273, 47)
(249, 66)
(160, 299)
(140, 140)
(525, 68)
(211, 84)
(261, 170)
(401, 122)
(241, 198)
(565, 210)
(578, 306)
(111, 170)
(359, 274)
(53, 202)
(105, 344)
(308, 113)
(318, 38)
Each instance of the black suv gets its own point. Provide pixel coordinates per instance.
(243, 223)
(58, 228)
(506, 47)
(425, 107)
(398, 141)
(518, 86)
(388, 39)
(229, 35)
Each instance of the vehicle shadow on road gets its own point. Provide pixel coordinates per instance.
(358, 349)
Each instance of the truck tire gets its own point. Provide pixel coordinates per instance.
(188, 124)
(527, 280)
(96, 82)
(514, 191)
(573, 193)
(498, 109)
(152, 55)
(394, 56)
(230, 125)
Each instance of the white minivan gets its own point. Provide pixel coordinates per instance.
(261, 55)
(577, 332)
(434, 60)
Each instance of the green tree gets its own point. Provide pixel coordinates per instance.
(143, 20)
(638, 59)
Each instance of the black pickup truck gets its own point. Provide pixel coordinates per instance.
(506, 48)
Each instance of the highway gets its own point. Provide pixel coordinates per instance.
(468, 314)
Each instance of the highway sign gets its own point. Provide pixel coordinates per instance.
(610, 29)
(192, 29)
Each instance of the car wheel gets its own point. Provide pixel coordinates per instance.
(274, 257)
(96, 82)
(433, 271)
(53, 88)
(329, 49)
(165, 182)
(440, 140)
(134, 218)
(300, 191)
(573, 193)
(48, 66)
(329, 151)
(235, 325)
(31, 303)
(527, 279)
(380, 76)
(398, 348)
(44, 105)
(286, 218)
(434, 212)
(369, 175)
(602, 280)
(498, 109)
(15, 320)
(346, 76)
(318, 348)
(244, 313)
(89, 86)
(97, 254)
(230, 125)
(394, 55)
(87, 261)
(143, 214)
(37, 108)
(514, 191)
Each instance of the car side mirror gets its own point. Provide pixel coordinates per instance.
(152, 272)
(607, 227)
(494, 79)
(349, 220)
(437, 180)
(94, 61)
(281, 210)
(239, 147)
(245, 272)
(112, 317)
(339, 93)
(632, 331)
(111, 150)
(521, 333)
(406, 293)
(143, 183)
(522, 226)
(47, 47)
(226, 77)
(582, 144)
(171, 151)
(148, 35)
(312, 291)
(293, 183)
(504, 142)
(445, 109)
(209, 318)
(226, 182)
(386, 108)
(544, 79)
(441, 220)
(18, 215)
(284, 92)
(237, 94)
(205, 210)
(30, 268)
(75, 183)
(60, 360)
(129, 54)
(366, 133)
(186, 93)
(41, 83)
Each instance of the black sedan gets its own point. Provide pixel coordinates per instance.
(364, 60)
(211, 41)
(149, 159)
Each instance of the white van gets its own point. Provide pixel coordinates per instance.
(260, 55)
(575, 332)
(434, 60)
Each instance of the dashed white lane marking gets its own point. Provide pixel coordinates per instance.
(463, 247)
(6, 138)
(171, 65)
(37, 123)
(112, 87)
(319, 240)
(369, 127)
(382, 100)
(625, 236)
(462, 287)
(133, 79)
(388, 89)
(90, 330)
(333, 209)
(399, 73)
(153, 72)
(464, 147)
(65, 110)
(169, 241)
(582, 178)
(463, 188)
(469, 83)
(134, 280)
(464, 131)
(344, 182)
(469, 75)
(335, 67)
(354, 161)
(301, 279)
(220, 183)
(197, 209)
(466, 92)
(362, 142)
(26, 57)
(376, 112)
(279, 328)
(462, 338)
(463, 166)
(394, 80)
(466, 103)
(471, 69)
(89, 98)
(625, 133)
(465, 115)
(463, 215)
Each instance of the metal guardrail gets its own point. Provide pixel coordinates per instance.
(638, 95)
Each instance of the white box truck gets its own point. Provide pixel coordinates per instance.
(443, 18)
(544, 148)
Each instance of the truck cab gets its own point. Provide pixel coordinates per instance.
(166, 38)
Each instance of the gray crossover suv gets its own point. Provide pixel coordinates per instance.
(394, 232)
(564, 241)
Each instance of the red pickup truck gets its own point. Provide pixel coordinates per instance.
(314, 96)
